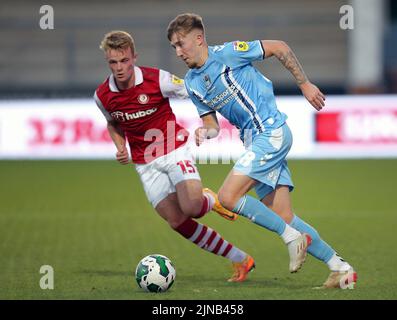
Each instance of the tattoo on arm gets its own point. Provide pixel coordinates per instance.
(289, 60)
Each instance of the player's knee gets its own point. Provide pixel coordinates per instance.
(227, 201)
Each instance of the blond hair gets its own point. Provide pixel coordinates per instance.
(117, 40)
(184, 23)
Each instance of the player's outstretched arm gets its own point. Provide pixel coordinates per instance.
(209, 130)
(118, 138)
(287, 57)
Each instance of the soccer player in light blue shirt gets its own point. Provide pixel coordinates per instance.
(222, 79)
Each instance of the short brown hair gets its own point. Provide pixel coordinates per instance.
(117, 40)
(184, 23)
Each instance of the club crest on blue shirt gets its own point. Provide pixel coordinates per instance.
(207, 81)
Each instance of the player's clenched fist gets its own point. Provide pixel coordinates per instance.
(122, 156)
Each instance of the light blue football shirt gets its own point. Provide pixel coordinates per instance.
(229, 83)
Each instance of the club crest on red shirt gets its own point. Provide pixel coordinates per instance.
(143, 98)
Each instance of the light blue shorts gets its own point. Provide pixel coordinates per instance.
(264, 161)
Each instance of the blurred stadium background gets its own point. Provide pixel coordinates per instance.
(90, 219)
(66, 61)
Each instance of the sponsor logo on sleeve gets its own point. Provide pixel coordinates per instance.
(240, 46)
(176, 80)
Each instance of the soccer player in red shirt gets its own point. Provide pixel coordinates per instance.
(135, 103)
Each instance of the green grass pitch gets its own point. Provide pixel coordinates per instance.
(91, 222)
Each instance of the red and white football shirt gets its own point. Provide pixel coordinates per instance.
(143, 112)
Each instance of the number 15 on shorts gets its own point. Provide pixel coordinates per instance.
(186, 166)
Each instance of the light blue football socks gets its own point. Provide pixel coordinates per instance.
(258, 213)
(319, 248)
(261, 215)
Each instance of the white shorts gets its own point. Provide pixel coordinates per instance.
(160, 176)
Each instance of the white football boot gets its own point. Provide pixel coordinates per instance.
(341, 280)
(297, 250)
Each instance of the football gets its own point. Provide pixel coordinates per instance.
(155, 273)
